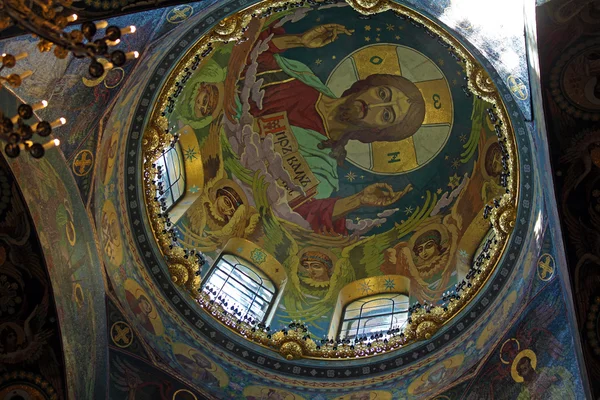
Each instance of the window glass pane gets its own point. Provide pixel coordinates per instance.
(352, 313)
(374, 314)
(242, 286)
(377, 324)
(217, 282)
(224, 266)
(265, 293)
(251, 280)
(172, 175)
(377, 307)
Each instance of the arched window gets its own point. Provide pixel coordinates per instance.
(172, 175)
(374, 314)
(242, 286)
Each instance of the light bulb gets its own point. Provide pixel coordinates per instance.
(127, 30)
(40, 105)
(59, 122)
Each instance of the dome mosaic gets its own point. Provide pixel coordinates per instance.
(320, 182)
(324, 158)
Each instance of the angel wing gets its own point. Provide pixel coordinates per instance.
(365, 257)
(36, 337)
(212, 159)
(580, 161)
(578, 235)
(15, 226)
(278, 242)
(50, 369)
(237, 62)
(213, 171)
(126, 377)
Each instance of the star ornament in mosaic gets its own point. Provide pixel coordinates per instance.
(191, 154)
(389, 284)
(366, 287)
(454, 181)
(258, 256)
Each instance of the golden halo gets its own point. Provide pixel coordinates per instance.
(95, 82)
(188, 352)
(71, 233)
(502, 347)
(136, 290)
(120, 80)
(513, 368)
(451, 365)
(492, 141)
(78, 295)
(184, 391)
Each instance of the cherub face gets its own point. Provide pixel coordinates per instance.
(11, 339)
(316, 270)
(201, 361)
(427, 250)
(206, 100)
(225, 206)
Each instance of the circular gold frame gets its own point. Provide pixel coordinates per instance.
(292, 344)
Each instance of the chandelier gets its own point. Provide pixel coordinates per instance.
(48, 20)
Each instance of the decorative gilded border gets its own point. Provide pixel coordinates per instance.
(296, 341)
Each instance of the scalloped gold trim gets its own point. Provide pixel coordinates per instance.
(294, 343)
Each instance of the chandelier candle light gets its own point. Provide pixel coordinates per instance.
(47, 21)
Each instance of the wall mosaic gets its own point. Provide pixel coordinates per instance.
(182, 325)
(70, 253)
(350, 213)
(83, 101)
(532, 360)
(569, 46)
(31, 354)
(133, 371)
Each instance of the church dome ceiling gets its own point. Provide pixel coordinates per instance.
(315, 191)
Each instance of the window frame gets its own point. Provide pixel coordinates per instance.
(255, 293)
(167, 183)
(361, 317)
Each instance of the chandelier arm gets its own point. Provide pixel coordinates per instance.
(28, 20)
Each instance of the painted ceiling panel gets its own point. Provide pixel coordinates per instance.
(172, 307)
(30, 340)
(69, 249)
(435, 182)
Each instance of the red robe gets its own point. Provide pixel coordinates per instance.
(299, 101)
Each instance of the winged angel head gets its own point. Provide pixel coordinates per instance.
(221, 211)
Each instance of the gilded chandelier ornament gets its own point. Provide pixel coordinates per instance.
(46, 20)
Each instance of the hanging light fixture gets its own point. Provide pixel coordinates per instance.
(46, 20)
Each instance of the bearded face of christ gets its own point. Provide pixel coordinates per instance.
(375, 107)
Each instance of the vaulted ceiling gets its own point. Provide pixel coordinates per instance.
(344, 149)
